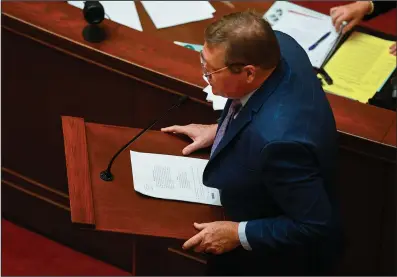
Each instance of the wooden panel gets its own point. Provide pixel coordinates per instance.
(168, 257)
(129, 46)
(52, 221)
(360, 120)
(76, 88)
(390, 137)
(360, 185)
(118, 207)
(162, 58)
(80, 192)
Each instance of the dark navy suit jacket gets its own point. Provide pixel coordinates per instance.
(275, 169)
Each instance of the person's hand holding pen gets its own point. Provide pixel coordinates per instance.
(353, 14)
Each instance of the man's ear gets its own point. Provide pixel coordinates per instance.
(250, 70)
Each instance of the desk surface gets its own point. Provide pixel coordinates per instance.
(154, 51)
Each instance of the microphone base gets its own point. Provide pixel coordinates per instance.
(106, 176)
(94, 33)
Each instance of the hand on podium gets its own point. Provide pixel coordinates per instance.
(202, 135)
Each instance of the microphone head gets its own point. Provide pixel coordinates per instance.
(93, 12)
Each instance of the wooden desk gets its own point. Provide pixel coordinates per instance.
(49, 71)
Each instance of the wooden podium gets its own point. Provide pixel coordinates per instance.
(115, 206)
(51, 71)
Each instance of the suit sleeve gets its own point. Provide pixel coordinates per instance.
(292, 176)
(380, 7)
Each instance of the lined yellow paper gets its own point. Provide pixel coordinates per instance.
(360, 66)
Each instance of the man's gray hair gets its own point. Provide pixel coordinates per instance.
(247, 38)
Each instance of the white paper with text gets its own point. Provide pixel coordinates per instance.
(172, 177)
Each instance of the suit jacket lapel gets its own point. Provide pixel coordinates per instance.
(243, 118)
(252, 106)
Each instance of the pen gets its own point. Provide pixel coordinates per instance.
(318, 41)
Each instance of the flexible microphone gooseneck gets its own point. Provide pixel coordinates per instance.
(106, 175)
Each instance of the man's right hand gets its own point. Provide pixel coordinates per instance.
(352, 13)
(202, 135)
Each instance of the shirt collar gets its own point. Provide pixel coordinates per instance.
(245, 98)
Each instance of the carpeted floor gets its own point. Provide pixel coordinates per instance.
(26, 253)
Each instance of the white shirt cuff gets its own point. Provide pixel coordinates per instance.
(242, 236)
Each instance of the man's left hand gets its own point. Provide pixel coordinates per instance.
(216, 237)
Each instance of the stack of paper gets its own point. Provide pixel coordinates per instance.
(305, 26)
(171, 13)
(360, 67)
(218, 102)
(172, 177)
(122, 12)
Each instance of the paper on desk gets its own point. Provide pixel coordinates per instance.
(171, 13)
(280, 11)
(305, 26)
(360, 67)
(122, 12)
(172, 177)
(218, 102)
(195, 47)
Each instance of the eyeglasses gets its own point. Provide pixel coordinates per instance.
(207, 74)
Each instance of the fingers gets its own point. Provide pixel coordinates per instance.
(335, 14)
(333, 10)
(173, 129)
(193, 241)
(200, 248)
(349, 26)
(200, 226)
(191, 148)
(392, 49)
(338, 21)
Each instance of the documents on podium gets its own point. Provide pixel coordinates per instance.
(122, 12)
(172, 177)
(172, 13)
(306, 26)
(360, 66)
(115, 206)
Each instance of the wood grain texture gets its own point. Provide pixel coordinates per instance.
(153, 51)
(390, 137)
(77, 163)
(118, 207)
(43, 39)
(361, 120)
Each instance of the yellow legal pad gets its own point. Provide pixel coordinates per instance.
(360, 66)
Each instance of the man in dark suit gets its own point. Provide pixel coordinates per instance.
(354, 12)
(273, 155)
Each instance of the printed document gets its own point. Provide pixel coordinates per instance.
(360, 67)
(171, 13)
(172, 177)
(305, 26)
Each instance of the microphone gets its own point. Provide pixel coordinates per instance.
(106, 175)
(94, 14)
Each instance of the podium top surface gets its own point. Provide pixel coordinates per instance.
(116, 206)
